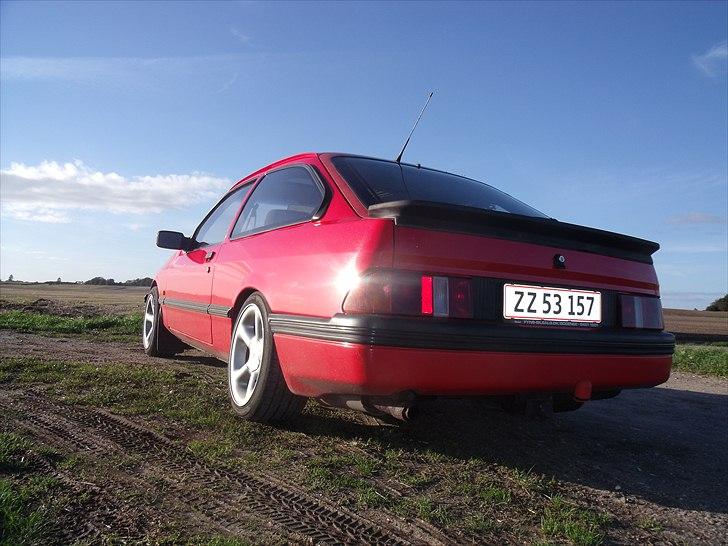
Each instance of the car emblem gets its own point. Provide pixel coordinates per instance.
(559, 261)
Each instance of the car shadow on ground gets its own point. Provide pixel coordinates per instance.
(664, 445)
(199, 358)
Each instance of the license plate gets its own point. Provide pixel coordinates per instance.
(541, 303)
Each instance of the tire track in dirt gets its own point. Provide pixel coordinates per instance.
(105, 513)
(50, 431)
(224, 497)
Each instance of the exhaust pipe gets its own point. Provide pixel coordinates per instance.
(398, 408)
(402, 413)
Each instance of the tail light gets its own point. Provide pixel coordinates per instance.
(641, 312)
(406, 293)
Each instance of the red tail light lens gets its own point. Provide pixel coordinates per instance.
(426, 296)
(641, 312)
(386, 292)
(409, 293)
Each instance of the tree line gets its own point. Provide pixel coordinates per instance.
(144, 281)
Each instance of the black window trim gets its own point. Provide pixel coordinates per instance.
(317, 215)
(231, 191)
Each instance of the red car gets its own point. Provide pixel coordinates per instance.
(371, 284)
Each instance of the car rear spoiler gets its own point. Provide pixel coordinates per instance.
(527, 229)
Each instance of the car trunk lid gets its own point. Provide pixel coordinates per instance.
(456, 240)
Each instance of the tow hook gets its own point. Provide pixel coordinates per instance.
(583, 391)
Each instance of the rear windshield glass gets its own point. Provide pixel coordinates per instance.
(378, 181)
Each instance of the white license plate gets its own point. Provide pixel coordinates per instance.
(541, 303)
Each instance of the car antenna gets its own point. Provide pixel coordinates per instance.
(399, 157)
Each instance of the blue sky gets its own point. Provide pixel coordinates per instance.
(119, 119)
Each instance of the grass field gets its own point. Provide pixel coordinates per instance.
(434, 479)
(111, 326)
(697, 326)
(110, 299)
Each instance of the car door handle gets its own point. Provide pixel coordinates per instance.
(209, 255)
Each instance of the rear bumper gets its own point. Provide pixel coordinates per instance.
(386, 356)
(471, 335)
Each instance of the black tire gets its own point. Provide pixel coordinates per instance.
(270, 400)
(160, 342)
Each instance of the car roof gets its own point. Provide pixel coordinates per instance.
(313, 155)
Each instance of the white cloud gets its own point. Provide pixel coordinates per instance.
(692, 218)
(714, 61)
(204, 71)
(228, 84)
(49, 191)
(29, 253)
(239, 35)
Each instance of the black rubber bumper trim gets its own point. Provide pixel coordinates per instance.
(468, 335)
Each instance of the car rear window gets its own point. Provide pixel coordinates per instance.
(378, 181)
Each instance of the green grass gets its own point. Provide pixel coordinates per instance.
(650, 524)
(129, 389)
(346, 474)
(25, 515)
(489, 493)
(12, 448)
(564, 520)
(426, 509)
(25, 321)
(29, 502)
(480, 524)
(701, 359)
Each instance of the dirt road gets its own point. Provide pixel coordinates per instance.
(659, 453)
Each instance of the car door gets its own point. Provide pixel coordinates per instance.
(253, 255)
(187, 293)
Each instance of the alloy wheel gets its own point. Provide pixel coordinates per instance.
(247, 354)
(148, 328)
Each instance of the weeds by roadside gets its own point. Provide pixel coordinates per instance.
(701, 359)
(564, 520)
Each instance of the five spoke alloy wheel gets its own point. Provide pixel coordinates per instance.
(246, 356)
(150, 315)
(258, 390)
(156, 339)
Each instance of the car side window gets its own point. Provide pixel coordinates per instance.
(215, 226)
(284, 197)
